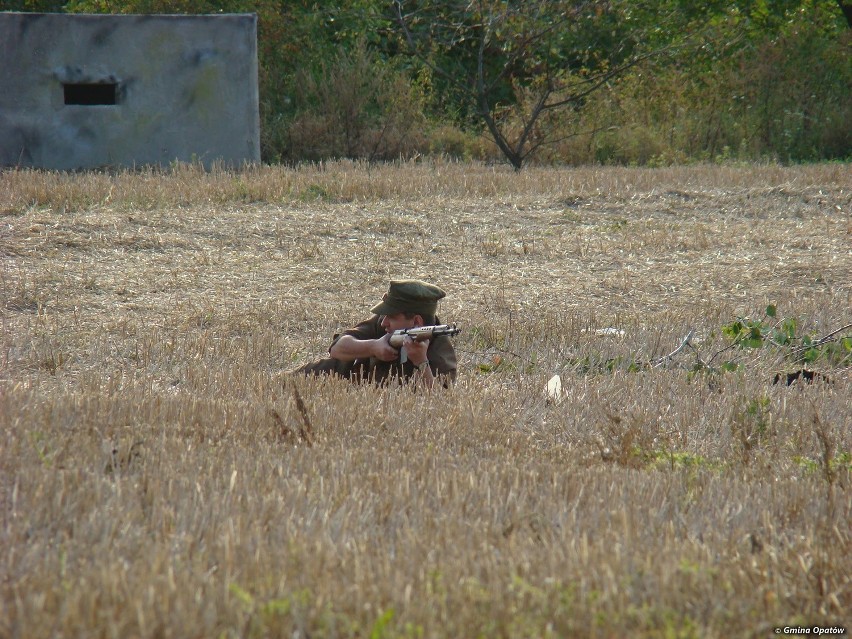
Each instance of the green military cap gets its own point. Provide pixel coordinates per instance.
(409, 296)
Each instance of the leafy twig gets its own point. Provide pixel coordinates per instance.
(822, 340)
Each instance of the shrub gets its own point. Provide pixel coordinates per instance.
(355, 106)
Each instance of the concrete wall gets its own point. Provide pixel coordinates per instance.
(184, 88)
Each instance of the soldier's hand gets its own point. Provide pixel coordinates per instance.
(416, 349)
(383, 351)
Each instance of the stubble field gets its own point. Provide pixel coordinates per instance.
(162, 476)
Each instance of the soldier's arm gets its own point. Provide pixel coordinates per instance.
(349, 348)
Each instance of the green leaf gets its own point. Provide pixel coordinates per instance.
(730, 367)
(780, 337)
(732, 330)
(771, 310)
(789, 327)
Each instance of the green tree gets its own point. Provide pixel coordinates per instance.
(518, 65)
(771, 79)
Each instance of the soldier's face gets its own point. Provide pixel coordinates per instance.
(399, 321)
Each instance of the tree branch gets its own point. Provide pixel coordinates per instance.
(822, 340)
(683, 345)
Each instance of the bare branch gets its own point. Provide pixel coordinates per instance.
(683, 345)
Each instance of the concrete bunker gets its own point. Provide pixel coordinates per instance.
(88, 91)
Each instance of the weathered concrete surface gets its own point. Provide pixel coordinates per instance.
(185, 89)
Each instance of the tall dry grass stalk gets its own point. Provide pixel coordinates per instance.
(160, 476)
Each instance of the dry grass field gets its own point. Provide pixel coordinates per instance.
(158, 479)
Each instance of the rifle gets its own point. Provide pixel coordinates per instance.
(419, 334)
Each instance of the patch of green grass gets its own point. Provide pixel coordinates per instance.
(675, 460)
(840, 462)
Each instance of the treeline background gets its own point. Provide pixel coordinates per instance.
(753, 80)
